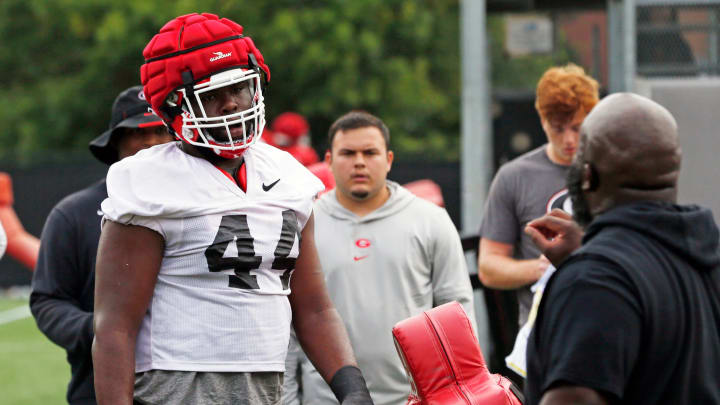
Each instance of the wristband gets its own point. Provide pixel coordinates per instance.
(347, 380)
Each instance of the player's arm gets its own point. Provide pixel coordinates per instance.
(127, 266)
(57, 286)
(318, 326)
(498, 269)
(572, 395)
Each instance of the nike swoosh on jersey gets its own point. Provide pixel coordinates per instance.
(269, 186)
(358, 258)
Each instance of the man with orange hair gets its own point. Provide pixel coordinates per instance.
(532, 185)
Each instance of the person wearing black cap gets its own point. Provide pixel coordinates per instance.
(64, 280)
(132, 128)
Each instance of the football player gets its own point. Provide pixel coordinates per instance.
(207, 250)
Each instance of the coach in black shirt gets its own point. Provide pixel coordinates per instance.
(64, 280)
(632, 316)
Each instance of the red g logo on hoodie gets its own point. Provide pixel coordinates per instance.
(362, 243)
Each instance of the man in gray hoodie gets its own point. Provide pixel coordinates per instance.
(387, 255)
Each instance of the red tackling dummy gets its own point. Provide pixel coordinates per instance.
(444, 362)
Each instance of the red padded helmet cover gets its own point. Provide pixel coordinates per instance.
(202, 44)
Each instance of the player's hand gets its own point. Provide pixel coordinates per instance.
(358, 398)
(541, 265)
(556, 235)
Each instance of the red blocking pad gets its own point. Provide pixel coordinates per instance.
(444, 362)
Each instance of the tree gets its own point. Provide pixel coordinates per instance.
(65, 60)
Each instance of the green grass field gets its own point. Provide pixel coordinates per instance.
(33, 370)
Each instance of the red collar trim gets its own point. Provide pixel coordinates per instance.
(241, 180)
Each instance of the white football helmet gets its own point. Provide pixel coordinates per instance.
(222, 133)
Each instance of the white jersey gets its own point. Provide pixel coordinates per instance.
(220, 302)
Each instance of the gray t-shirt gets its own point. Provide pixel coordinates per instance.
(525, 188)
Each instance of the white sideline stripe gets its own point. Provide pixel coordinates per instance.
(14, 314)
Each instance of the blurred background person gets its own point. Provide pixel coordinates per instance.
(290, 132)
(63, 284)
(533, 184)
(3, 240)
(15, 240)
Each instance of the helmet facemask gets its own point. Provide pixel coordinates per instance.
(204, 125)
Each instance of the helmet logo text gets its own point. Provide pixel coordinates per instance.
(220, 55)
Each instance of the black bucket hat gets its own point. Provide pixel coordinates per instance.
(130, 110)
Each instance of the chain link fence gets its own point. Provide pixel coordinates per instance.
(676, 39)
